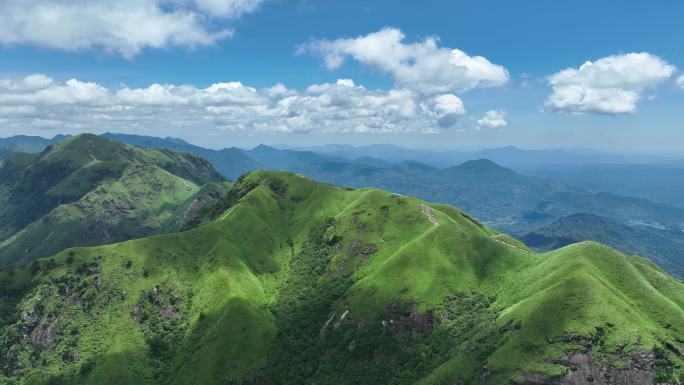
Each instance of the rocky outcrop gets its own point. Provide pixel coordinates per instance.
(429, 214)
(586, 370)
(45, 333)
(161, 302)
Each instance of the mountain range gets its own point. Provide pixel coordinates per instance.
(506, 200)
(661, 176)
(512, 157)
(658, 183)
(292, 281)
(498, 196)
(230, 162)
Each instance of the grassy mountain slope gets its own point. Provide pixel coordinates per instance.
(300, 282)
(207, 195)
(496, 195)
(666, 248)
(230, 162)
(89, 190)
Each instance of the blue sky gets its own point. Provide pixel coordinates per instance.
(528, 41)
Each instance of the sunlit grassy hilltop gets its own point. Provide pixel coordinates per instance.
(291, 281)
(88, 190)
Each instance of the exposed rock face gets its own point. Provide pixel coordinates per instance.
(43, 325)
(406, 323)
(586, 370)
(637, 371)
(44, 334)
(429, 214)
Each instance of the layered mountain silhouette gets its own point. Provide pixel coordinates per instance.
(499, 197)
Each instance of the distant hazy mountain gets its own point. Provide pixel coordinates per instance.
(391, 153)
(230, 162)
(88, 190)
(521, 159)
(663, 184)
(664, 247)
(287, 159)
(23, 143)
(512, 157)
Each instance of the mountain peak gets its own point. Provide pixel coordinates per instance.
(264, 147)
(483, 166)
(94, 146)
(482, 162)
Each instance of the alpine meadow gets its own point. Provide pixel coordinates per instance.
(281, 192)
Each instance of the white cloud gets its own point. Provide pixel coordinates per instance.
(122, 26)
(611, 85)
(493, 119)
(424, 67)
(340, 107)
(680, 81)
(445, 108)
(448, 104)
(39, 90)
(345, 82)
(228, 8)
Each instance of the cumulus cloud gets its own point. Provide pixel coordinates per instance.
(39, 90)
(445, 108)
(341, 107)
(493, 119)
(226, 8)
(122, 26)
(611, 85)
(424, 66)
(680, 81)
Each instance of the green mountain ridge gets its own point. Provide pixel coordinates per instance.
(666, 248)
(498, 196)
(230, 162)
(88, 190)
(301, 282)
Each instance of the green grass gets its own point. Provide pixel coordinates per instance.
(302, 282)
(87, 191)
